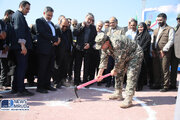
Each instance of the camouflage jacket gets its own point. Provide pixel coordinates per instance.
(123, 50)
(117, 30)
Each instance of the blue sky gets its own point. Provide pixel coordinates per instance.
(102, 9)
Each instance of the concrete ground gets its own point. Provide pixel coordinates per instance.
(95, 105)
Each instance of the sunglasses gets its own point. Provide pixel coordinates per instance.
(74, 24)
(64, 26)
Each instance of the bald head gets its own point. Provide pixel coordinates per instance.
(74, 22)
(99, 26)
(113, 22)
(64, 24)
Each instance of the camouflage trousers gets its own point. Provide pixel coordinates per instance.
(132, 67)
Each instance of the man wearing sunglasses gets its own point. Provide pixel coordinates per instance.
(63, 54)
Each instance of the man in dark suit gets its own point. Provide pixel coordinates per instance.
(2, 37)
(63, 53)
(85, 33)
(21, 45)
(5, 67)
(46, 40)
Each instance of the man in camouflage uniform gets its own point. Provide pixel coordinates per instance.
(128, 56)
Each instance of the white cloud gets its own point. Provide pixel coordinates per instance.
(178, 8)
(166, 9)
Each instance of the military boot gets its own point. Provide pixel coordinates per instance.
(127, 102)
(116, 95)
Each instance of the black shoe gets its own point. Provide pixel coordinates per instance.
(41, 90)
(98, 84)
(25, 93)
(13, 91)
(108, 85)
(155, 87)
(70, 78)
(51, 88)
(139, 88)
(7, 85)
(164, 90)
(173, 87)
(32, 84)
(58, 86)
(87, 86)
(1, 96)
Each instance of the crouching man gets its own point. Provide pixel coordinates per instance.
(128, 56)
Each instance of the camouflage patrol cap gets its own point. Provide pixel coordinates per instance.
(178, 17)
(100, 39)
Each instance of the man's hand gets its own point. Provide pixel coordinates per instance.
(162, 54)
(113, 72)
(23, 49)
(2, 35)
(87, 46)
(99, 76)
(57, 43)
(84, 24)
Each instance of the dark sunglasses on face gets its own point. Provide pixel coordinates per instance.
(74, 24)
(64, 26)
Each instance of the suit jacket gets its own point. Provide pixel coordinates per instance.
(2, 28)
(79, 31)
(177, 43)
(65, 45)
(20, 31)
(45, 38)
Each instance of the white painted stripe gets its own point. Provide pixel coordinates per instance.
(5, 91)
(151, 113)
(58, 103)
(31, 87)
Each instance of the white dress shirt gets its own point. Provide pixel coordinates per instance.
(131, 34)
(52, 27)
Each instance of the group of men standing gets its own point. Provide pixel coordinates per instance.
(54, 45)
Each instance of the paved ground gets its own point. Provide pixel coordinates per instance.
(94, 105)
